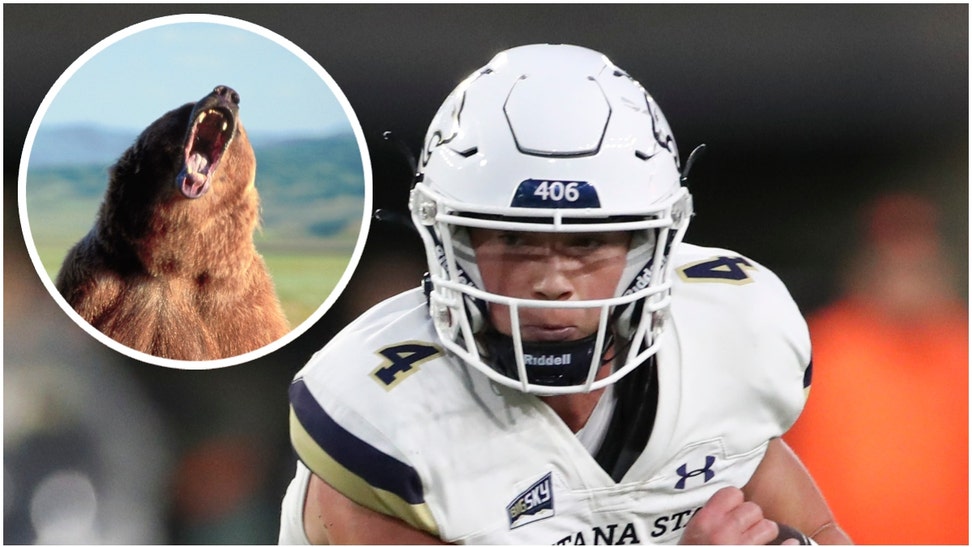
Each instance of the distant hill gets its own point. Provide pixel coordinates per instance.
(310, 188)
(78, 145)
(82, 144)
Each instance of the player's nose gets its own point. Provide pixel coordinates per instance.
(551, 278)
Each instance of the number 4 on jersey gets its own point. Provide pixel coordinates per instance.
(402, 360)
(723, 269)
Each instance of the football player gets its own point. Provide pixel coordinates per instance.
(572, 371)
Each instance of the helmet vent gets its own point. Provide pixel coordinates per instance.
(557, 116)
(467, 153)
(641, 155)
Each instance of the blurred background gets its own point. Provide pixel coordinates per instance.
(810, 113)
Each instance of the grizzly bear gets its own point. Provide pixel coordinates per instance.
(170, 268)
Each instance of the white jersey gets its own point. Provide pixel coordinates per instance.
(386, 417)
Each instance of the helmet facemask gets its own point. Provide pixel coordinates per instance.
(629, 322)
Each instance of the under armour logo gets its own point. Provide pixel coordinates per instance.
(706, 471)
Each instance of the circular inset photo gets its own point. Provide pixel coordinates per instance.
(195, 191)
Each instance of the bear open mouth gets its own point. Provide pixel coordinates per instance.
(208, 139)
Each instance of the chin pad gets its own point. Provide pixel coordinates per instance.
(547, 363)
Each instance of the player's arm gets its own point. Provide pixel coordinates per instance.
(781, 491)
(331, 518)
(785, 491)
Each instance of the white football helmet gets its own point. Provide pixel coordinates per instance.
(549, 138)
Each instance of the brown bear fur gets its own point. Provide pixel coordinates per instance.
(170, 276)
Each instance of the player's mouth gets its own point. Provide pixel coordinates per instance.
(209, 135)
(550, 333)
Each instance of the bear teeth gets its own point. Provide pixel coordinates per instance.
(203, 115)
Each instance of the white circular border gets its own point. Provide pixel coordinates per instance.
(365, 166)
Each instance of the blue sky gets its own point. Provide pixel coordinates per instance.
(140, 76)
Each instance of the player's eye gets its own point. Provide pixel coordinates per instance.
(587, 243)
(511, 239)
(595, 246)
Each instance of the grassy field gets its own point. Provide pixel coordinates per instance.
(303, 280)
(305, 270)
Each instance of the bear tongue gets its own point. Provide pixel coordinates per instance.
(193, 178)
(197, 163)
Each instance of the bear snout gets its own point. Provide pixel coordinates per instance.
(227, 95)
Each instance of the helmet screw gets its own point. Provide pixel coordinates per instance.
(658, 321)
(678, 213)
(442, 317)
(427, 210)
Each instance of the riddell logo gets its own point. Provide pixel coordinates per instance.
(546, 360)
(642, 281)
